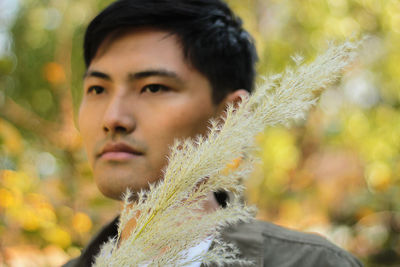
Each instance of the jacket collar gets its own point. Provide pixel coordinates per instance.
(248, 239)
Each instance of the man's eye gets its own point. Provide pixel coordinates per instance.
(95, 90)
(154, 88)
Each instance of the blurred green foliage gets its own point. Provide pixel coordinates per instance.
(336, 174)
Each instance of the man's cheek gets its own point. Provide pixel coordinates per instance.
(89, 143)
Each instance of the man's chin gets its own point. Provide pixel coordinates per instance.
(114, 182)
(116, 188)
(113, 194)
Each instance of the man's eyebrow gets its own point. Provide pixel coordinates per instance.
(97, 74)
(137, 75)
(154, 72)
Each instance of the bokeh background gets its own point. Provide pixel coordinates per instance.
(337, 173)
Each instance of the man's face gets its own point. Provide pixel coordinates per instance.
(139, 95)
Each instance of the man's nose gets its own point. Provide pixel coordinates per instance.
(119, 117)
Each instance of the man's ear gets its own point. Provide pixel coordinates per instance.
(234, 98)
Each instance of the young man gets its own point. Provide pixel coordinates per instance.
(158, 70)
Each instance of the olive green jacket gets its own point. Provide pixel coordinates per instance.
(264, 243)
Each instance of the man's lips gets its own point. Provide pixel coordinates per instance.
(118, 151)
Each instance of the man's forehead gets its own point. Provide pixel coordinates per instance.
(127, 32)
(133, 54)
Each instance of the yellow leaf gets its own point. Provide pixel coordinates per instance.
(54, 73)
(81, 223)
(10, 137)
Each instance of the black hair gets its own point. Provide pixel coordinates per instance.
(212, 37)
